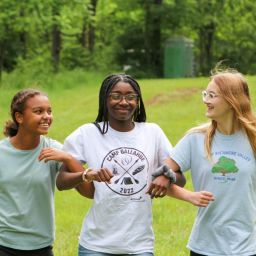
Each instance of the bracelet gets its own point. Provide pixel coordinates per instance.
(84, 175)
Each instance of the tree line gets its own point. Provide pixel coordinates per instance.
(129, 35)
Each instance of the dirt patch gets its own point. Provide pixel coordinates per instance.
(164, 98)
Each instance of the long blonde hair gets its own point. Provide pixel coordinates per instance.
(234, 89)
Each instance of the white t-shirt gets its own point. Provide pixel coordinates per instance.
(120, 220)
(226, 226)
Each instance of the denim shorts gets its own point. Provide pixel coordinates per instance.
(85, 252)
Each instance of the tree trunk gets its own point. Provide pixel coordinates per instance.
(56, 37)
(153, 48)
(91, 32)
(1, 59)
(82, 36)
(208, 10)
(23, 36)
(206, 35)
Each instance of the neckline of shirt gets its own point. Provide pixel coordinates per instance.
(230, 136)
(122, 134)
(24, 150)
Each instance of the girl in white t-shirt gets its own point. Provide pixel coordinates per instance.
(126, 150)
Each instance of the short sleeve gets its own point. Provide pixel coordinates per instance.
(73, 144)
(181, 153)
(164, 146)
(55, 165)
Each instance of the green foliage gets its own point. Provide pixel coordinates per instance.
(76, 56)
(125, 35)
(235, 35)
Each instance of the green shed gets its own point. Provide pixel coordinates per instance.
(178, 58)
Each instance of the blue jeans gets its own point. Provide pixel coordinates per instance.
(85, 252)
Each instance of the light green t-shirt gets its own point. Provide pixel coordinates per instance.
(27, 196)
(226, 226)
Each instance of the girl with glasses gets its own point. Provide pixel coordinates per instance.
(221, 157)
(128, 150)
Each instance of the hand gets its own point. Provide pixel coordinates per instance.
(201, 198)
(101, 175)
(158, 187)
(47, 154)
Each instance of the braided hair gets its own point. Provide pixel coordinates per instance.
(18, 104)
(108, 83)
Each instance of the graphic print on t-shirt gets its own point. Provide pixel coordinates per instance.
(224, 169)
(130, 168)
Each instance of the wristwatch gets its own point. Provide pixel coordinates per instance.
(170, 174)
(166, 171)
(85, 177)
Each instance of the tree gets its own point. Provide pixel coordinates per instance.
(10, 29)
(225, 165)
(236, 36)
(207, 15)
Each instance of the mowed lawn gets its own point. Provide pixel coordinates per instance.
(175, 104)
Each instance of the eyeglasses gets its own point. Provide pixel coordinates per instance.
(131, 97)
(209, 95)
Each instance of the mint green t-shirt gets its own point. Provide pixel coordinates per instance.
(27, 196)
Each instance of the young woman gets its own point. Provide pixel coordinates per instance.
(221, 156)
(124, 145)
(29, 163)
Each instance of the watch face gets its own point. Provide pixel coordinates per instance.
(171, 175)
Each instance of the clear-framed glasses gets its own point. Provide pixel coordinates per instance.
(209, 95)
(131, 97)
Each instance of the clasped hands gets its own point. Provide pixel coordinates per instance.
(162, 178)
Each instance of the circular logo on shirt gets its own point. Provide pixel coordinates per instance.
(130, 169)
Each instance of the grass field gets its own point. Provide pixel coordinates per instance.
(175, 104)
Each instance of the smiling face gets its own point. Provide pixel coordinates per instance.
(36, 118)
(218, 108)
(121, 104)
